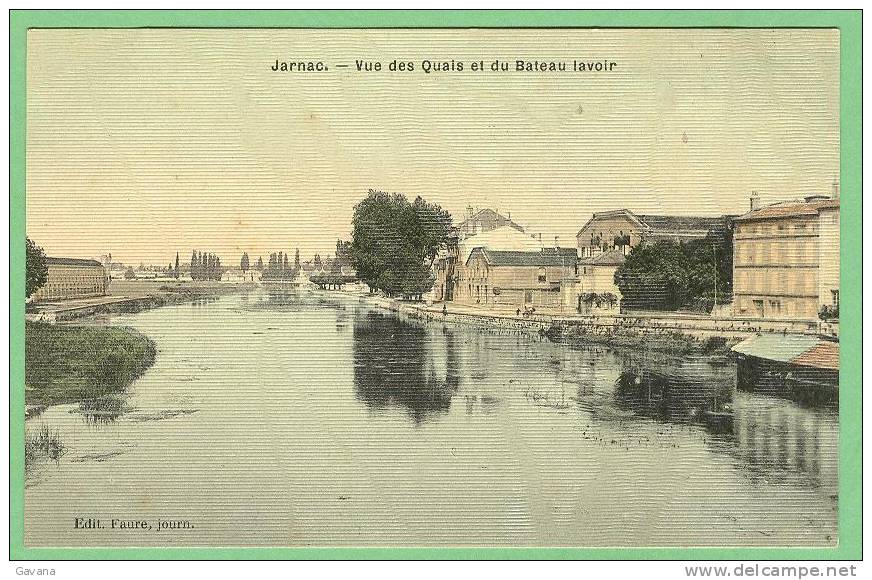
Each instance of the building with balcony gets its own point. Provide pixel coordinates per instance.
(622, 229)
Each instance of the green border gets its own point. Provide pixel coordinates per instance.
(850, 444)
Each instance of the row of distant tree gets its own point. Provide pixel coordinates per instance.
(280, 267)
(205, 266)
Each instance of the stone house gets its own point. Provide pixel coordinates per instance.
(449, 265)
(515, 279)
(593, 289)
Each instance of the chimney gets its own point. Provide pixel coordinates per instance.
(755, 201)
(540, 241)
(835, 188)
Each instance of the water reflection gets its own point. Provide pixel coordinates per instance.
(402, 364)
(376, 428)
(101, 410)
(780, 442)
(291, 300)
(687, 390)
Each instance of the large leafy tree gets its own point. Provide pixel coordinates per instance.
(668, 275)
(394, 242)
(36, 268)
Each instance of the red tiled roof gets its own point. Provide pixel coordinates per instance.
(789, 209)
(824, 355)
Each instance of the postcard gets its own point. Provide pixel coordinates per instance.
(452, 288)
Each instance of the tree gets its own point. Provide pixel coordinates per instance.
(259, 264)
(36, 268)
(297, 260)
(394, 242)
(129, 274)
(194, 265)
(176, 272)
(654, 277)
(243, 263)
(668, 275)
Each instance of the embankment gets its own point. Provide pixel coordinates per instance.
(674, 334)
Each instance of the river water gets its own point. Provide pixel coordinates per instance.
(285, 421)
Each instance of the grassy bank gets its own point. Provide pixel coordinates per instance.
(68, 364)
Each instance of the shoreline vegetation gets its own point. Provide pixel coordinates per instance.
(92, 364)
(81, 364)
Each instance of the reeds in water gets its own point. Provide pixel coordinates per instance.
(43, 443)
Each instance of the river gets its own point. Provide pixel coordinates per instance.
(284, 421)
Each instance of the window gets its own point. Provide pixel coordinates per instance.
(541, 276)
(528, 296)
(758, 307)
(835, 296)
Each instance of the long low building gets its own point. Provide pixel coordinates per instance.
(73, 278)
(515, 279)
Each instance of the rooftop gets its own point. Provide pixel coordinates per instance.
(72, 262)
(489, 212)
(653, 223)
(543, 257)
(613, 257)
(795, 349)
(790, 209)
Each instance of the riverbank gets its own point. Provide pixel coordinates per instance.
(81, 364)
(670, 335)
(132, 296)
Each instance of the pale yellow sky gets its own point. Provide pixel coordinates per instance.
(147, 142)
